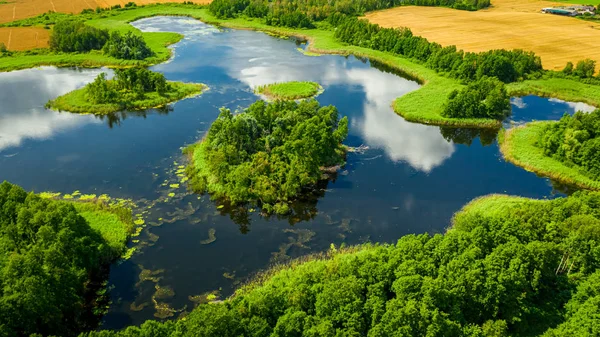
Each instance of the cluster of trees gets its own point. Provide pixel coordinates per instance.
(484, 98)
(575, 140)
(48, 253)
(509, 272)
(127, 84)
(75, 36)
(318, 10)
(269, 153)
(507, 66)
(128, 46)
(583, 71)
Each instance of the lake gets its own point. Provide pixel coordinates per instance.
(409, 178)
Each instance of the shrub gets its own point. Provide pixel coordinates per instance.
(484, 98)
(128, 47)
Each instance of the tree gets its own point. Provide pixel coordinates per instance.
(585, 68)
(75, 36)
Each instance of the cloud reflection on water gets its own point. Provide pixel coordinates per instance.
(23, 94)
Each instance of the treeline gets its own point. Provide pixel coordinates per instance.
(513, 268)
(319, 10)
(575, 141)
(48, 252)
(127, 85)
(75, 36)
(484, 98)
(269, 153)
(507, 66)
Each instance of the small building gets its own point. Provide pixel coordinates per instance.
(560, 11)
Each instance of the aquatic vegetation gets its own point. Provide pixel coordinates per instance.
(289, 90)
(149, 275)
(503, 265)
(211, 237)
(163, 292)
(124, 92)
(205, 298)
(242, 153)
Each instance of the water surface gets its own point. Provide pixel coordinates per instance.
(410, 179)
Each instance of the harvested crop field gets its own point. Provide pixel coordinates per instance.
(11, 10)
(509, 24)
(23, 38)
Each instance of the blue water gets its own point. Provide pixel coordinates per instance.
(411, 178)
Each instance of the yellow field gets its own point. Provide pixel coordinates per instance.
(23, 38)
(21, 9)
(509, 24)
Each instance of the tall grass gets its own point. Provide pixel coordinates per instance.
(518, 145)
(561, 88)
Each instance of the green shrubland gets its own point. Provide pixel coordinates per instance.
(269, 153)
(507, 267)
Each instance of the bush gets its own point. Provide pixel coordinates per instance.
(75, 36)
(127, 47)
(575, 141)
(484, 98)
(585, 68)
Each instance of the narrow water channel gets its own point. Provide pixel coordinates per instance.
(410, 178)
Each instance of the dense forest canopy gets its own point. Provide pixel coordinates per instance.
(127, 85)
(485, 98)
(575, 141)
(269, 153)
(48, 252)
(511, 268)
(70, 35)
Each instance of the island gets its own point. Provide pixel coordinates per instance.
(130, 89)
(268, 154)
(289, 90)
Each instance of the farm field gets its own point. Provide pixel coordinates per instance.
(23, 38)
(11, 10)
(509, 24)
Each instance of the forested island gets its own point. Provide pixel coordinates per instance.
(289, 90)
(567, 150)
(131, 88)
(54, 261)
(508, 266)
(269, 153)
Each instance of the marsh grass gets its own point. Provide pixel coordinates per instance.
(561, 88)
(518, 146)
(76, 101)
(289, 90)
(114, 223)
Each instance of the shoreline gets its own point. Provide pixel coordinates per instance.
(517, 146)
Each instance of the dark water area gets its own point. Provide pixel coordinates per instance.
(410, 178)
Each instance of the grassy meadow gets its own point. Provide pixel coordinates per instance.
(518, 146)
(77, 101)
(561, 88)
(289, 90)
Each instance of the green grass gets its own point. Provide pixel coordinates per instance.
(76, 101)
(114, 223)
(565, 89)
(492, 205)
(289, 90)
(518, 145)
